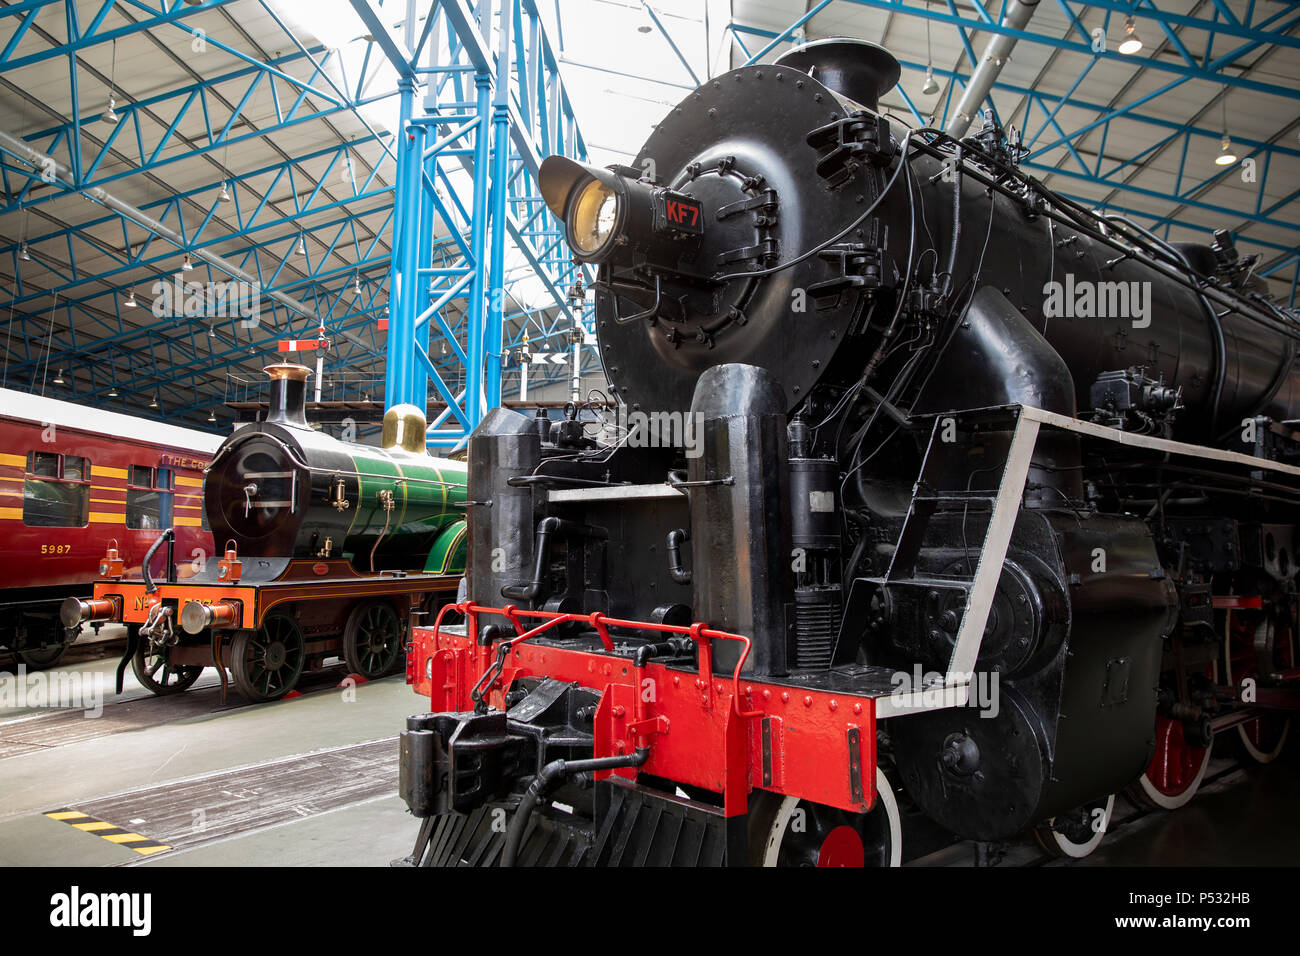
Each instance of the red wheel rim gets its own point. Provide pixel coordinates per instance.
(1176, 765)
(842, 847)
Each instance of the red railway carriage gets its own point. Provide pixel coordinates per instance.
(72, 481)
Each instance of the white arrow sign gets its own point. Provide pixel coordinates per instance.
(556, 358)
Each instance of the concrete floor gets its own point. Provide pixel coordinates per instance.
(312, 781)
(136, 745)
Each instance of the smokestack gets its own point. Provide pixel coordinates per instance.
(288, 400)
(859, 69)
(995, 57)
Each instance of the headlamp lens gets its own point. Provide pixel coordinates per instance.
(592, 218)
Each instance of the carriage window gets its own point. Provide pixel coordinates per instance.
(56, 492)
(203, 513)
(149, 498)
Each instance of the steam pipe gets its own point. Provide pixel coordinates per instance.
(546, 780)
(995, 56)
(675, 539)
(545, 530)
(149, 586)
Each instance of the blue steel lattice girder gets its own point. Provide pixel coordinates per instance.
(490, 116)
(247, 258)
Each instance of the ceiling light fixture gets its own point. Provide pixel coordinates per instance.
(112, 392)
(930, 86)
(109, 115)
(130, 302)
(187, 264)
(153, 402)
(301, 249)
(1131, 43)
(212, 415)
(224, 195)
(23, 254)
(58, 378)
(1227, 155)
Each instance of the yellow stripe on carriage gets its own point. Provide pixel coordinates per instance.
(107, 517)
(15, 514)
(191, 482)
(103, 471)
(182, 522)
(18, 461)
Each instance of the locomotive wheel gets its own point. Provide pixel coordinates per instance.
(153, 669)
(39, 658)
(44, 646)
(267, 663)
(1077, 833)
(1264, 738)
(1176, 770)
(373, 640)
(787, 831)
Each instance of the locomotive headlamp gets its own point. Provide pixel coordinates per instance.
(592, 217)
(605, 210)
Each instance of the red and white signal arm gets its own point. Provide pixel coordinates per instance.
(305, 345)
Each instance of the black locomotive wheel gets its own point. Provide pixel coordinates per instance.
(373, 640)
(153, 669)
(787, 831)
(1076, 833)
(267, 663)
(38, 656)
(43, 646)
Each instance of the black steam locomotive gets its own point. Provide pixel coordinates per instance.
(929, 486)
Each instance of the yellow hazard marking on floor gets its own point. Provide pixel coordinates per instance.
(108, 831)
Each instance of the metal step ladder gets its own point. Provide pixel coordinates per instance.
(930, 499)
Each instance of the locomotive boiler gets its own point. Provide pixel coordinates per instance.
(932, 486)
(327, 548)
